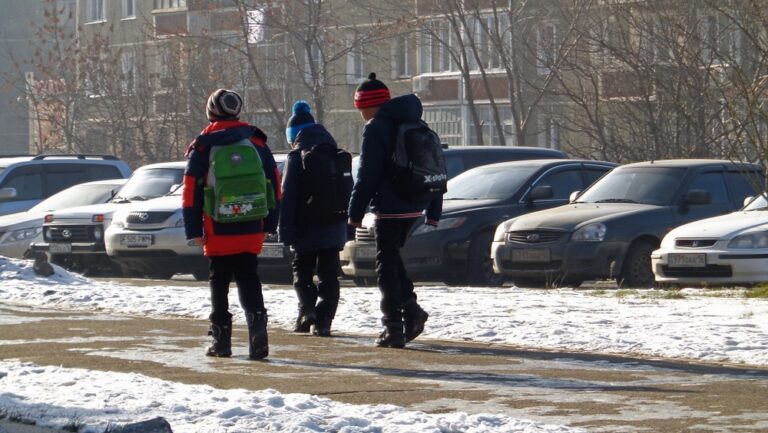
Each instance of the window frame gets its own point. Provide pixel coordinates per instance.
(95, 11)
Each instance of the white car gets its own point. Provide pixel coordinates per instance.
(726, 249)
(147, 238)
(74, 238)
(19, 230)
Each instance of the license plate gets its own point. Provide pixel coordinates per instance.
(687, 260)
(136, 241)
(365, 252)
(60, 248)
(531, 255)
(272, 251)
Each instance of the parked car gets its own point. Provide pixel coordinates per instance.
(74, 238)
(726, 249)
(27, 180)
(610, 230)
(147, 238)
(19, 230)
(457, 251)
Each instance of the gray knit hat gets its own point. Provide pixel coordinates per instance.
(224, 104)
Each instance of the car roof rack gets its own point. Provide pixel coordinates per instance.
(75, 155)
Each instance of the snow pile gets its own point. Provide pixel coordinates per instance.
(96, 399)
(728, 328)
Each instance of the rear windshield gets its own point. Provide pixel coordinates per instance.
(487, 183)
(648, 185)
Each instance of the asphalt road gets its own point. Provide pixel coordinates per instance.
(600, 393)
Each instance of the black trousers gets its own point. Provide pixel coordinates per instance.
(326, 264)
(244, 269)
(395, 286)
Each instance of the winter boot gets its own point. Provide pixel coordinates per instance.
(258, 344)
(322, 328)
(393, 335)
(414, 318)
(222, 340)
(307, 318)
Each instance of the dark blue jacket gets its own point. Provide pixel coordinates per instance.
(374, 184)
(291, 231)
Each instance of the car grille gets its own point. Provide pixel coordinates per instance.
(694, 243)
(520, 266)
(364, 235)
(534, 237)
(69, 234)
(148, 217)
(709, 271)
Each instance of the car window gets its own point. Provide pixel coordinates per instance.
(28, 182)
(592, 174)
(78, 195)
(103, 172)
(744, 185)
(651, 185)
(59, 177)
(454, 165)
(714, 183)
(563, 183)
(488, 182)
(150, 183)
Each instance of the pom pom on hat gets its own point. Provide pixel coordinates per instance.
(300, 119)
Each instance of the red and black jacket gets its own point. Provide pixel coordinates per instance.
(226, 238)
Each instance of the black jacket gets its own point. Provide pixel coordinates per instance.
(301, 236)
(374, 184)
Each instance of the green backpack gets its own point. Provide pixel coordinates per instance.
(237, 189)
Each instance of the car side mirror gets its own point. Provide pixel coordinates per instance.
(748, 200)
(542, 192)
(697, 196)
(8, 193)
(574, 195)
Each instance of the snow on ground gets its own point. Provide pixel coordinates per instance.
(725, 328)
(96, 399)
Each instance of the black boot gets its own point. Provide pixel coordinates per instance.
(222, 340)
(323, 327)
(307, 318)
(258, 344)
(393, 335)
(414, 318)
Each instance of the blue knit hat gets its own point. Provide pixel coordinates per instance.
(300, 119)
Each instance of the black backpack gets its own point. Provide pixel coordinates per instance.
(326, 185)
(418, 163)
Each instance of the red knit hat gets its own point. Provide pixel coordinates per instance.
(371, 93)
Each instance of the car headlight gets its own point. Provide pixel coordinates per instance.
(118, 224)
(448, 223)
(594, 232)
(750, 240)
(22, 234)
(501, 231)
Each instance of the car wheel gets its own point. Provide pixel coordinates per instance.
(636, 272)
(530, 283)
(455, 280)
(364, 281)
(200, 275)
(160, 275)
(479, 263)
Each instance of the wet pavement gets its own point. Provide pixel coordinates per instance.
(599, 393)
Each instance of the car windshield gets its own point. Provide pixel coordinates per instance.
(759, 203)
(150, 183)
(648, 185)
(488, 183)
(78, 195)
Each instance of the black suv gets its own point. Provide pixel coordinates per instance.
(457, 251)
(610, 230)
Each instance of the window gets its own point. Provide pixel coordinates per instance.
(563, 183)
(94, 11)
(721, 41)
(256, 22)
(59, 177)
(714, 183)
(592, 174)
(128, 72)
(170, 4)
(546, 48)
(313, 66)
(355, 71)
(744, 185)
(402, 60)
(434, 53)
(129, 8)
(549, 134)
(27, 181)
